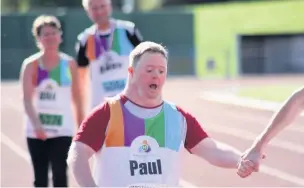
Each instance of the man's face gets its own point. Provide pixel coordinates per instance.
(150, 74)
(99, 11)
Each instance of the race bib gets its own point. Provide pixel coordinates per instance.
(114, 85)
(109, 62)
(51, 120)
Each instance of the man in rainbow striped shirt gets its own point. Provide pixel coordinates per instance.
(137, 138)
(103, 50)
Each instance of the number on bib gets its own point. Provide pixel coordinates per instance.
(116, 85)
(50, 119)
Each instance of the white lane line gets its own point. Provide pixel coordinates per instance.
(14, 147)
(282, 175)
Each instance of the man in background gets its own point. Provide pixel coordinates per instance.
(102, 52)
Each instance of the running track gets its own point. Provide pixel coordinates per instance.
(284, 166)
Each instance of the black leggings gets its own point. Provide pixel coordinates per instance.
(52, 152)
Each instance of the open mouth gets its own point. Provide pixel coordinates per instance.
(153, 86)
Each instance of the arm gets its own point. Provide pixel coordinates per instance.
(199, 143)
(83, 72)
(78, 161)
(26, 78)
(217, 153)
(76, 93)
(88, 140)
(286, 114)
(284, 117)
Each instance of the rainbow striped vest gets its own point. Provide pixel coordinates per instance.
(52, 99)
(109, 60)
(140, 151)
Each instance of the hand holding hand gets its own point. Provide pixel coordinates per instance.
(245, 168)
(250, 162)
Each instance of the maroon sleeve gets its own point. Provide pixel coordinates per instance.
(92, 130)
(195, 132)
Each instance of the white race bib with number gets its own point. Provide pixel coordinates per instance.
(109, 75)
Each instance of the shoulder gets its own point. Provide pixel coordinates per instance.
(115, 99)
(66, 57)
(97, 118)
(84, 35)
(184, 112)
(124, 24)
(192, 123)
(92, 130)
(69, 59)
(31, 60)
(29, 67)
(100, 110)
(195, 132)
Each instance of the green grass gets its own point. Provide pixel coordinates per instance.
(270, 93)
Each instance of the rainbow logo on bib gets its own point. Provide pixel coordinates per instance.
(145, 147)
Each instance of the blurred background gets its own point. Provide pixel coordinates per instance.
(206, 38)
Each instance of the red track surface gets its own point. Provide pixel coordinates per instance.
(233, 125)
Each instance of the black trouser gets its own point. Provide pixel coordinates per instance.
(54, 152)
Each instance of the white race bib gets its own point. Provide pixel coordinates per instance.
(110, 73)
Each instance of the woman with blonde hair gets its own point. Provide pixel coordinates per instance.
(50, 88)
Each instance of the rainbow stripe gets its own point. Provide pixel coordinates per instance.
(121, 44)
(60, 74)
(166, 128)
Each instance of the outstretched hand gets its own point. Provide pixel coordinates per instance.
(250, 162)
